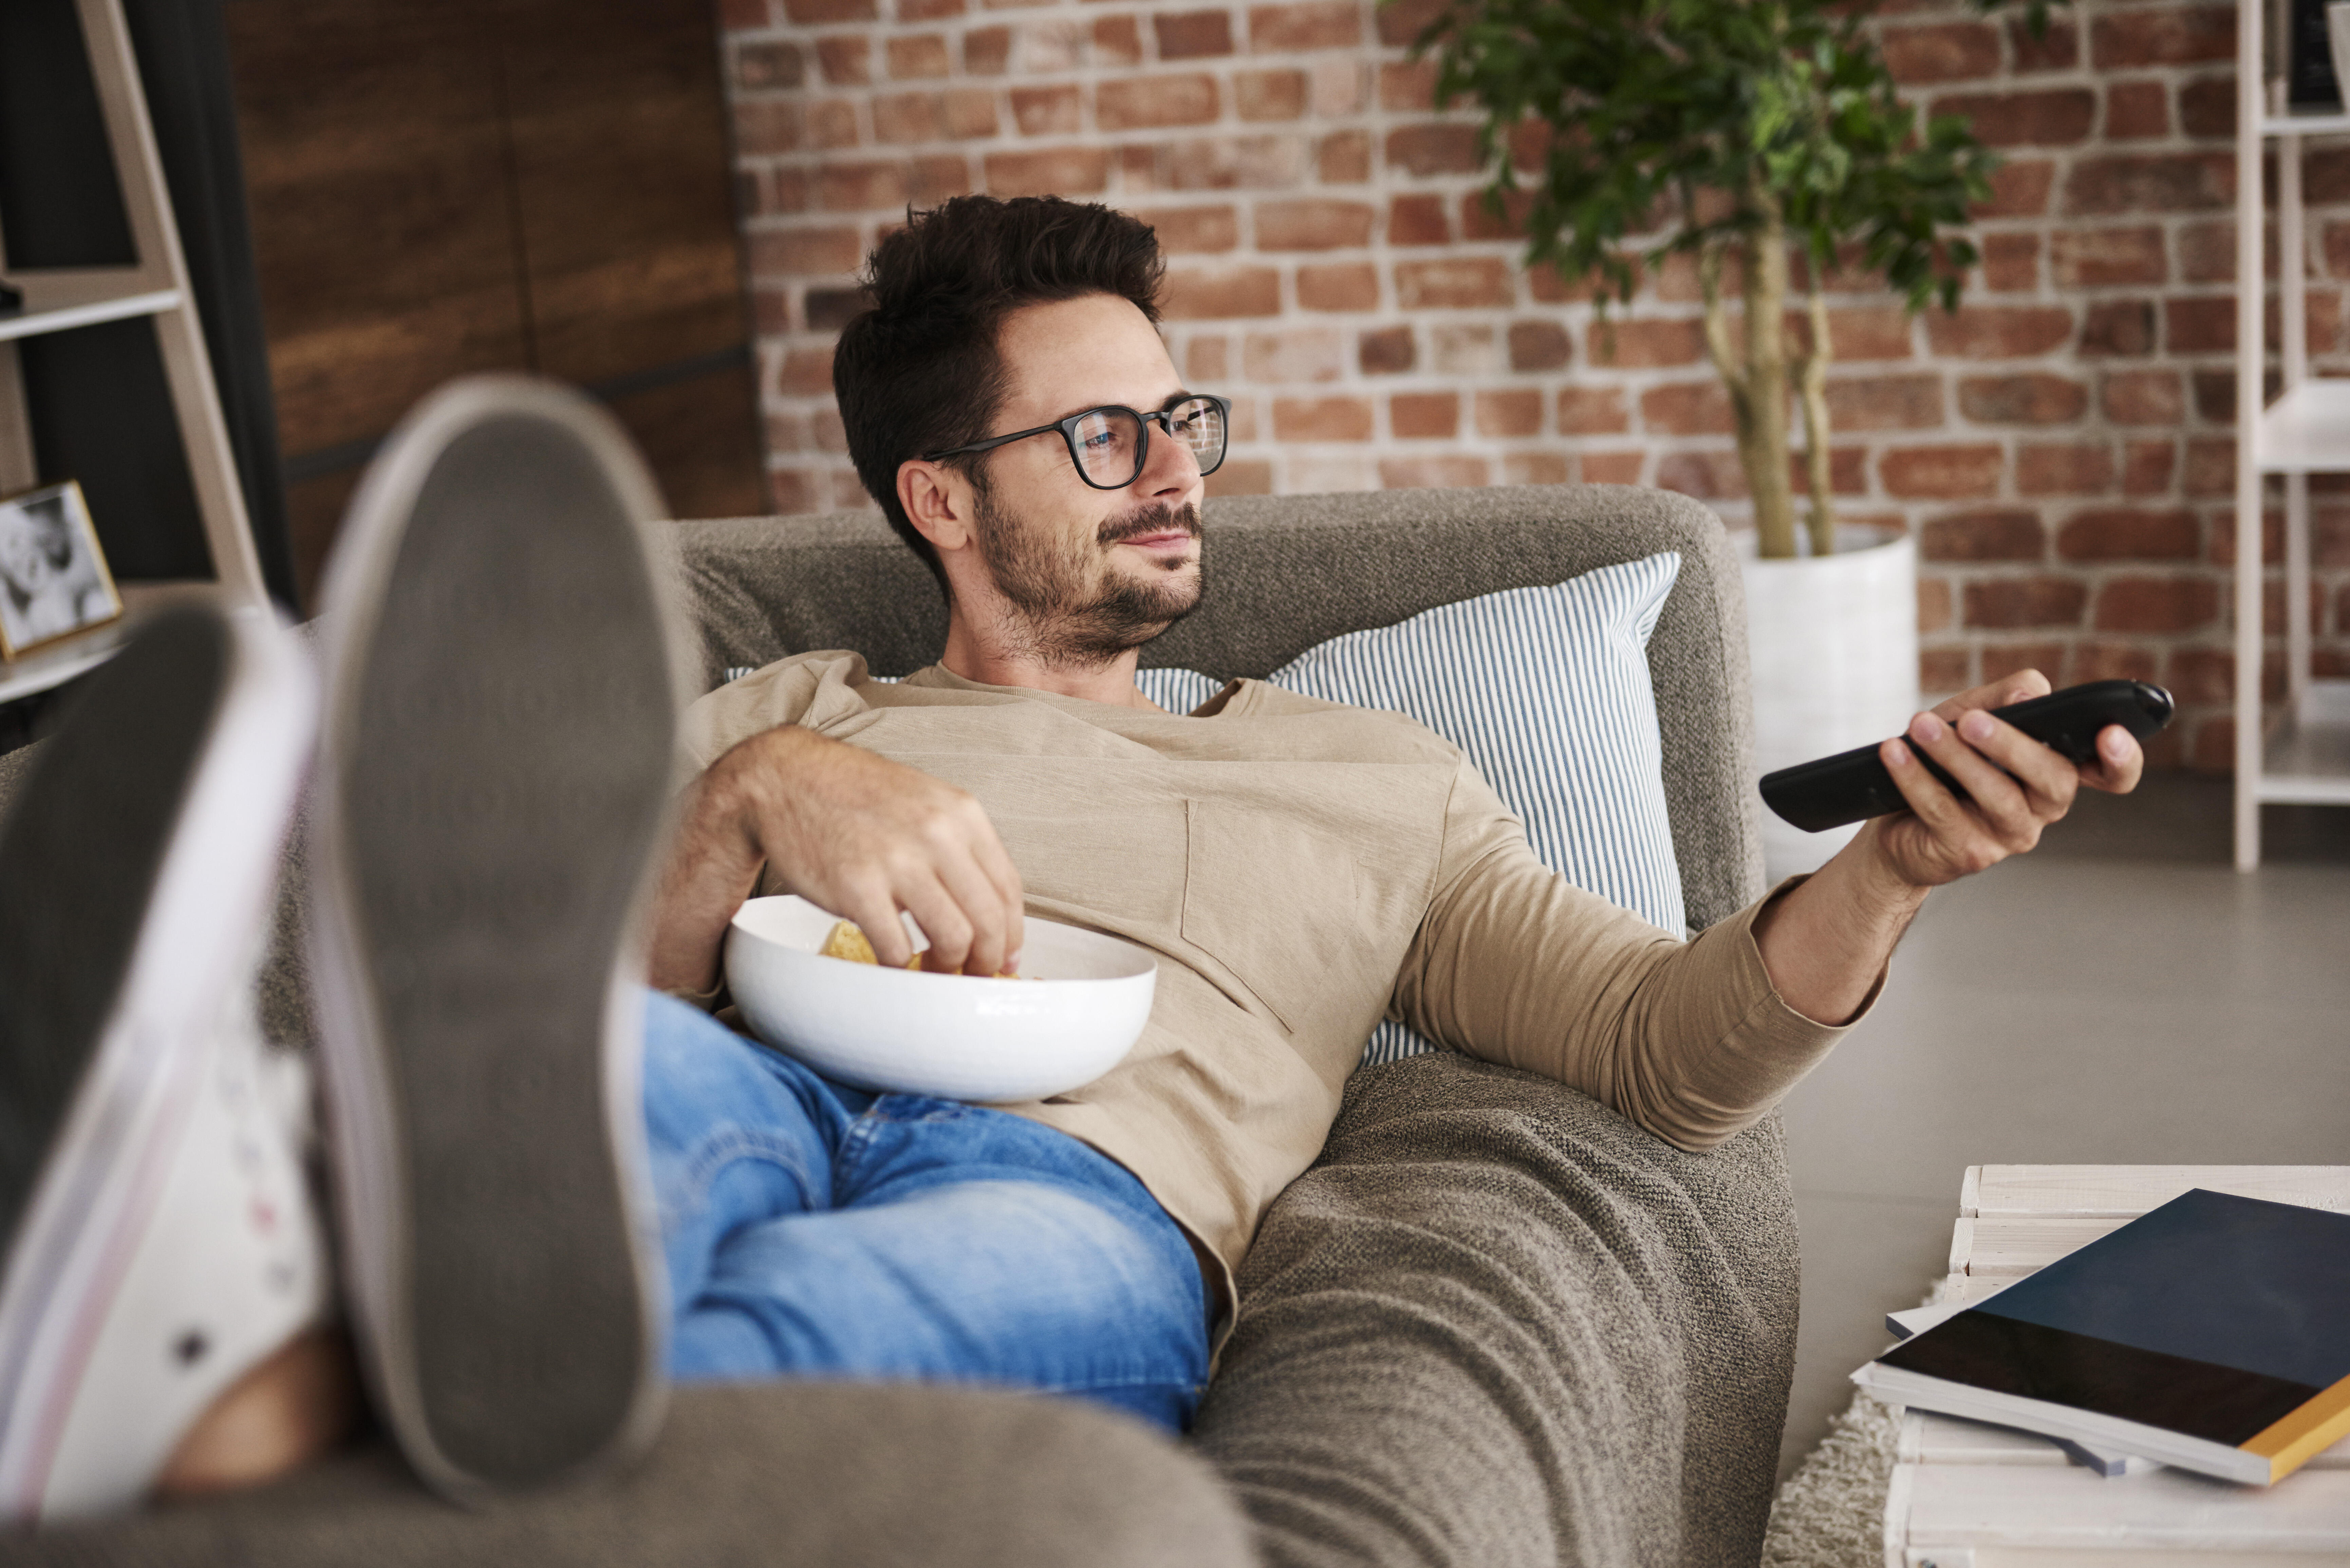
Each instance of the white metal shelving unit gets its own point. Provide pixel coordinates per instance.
(61, 299)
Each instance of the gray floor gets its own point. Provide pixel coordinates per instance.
(2121, 996)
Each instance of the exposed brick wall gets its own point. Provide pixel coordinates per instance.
(2063, 447)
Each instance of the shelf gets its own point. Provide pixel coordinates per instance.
(2307, 431)
(2308, 759)
(84, 299)
(45, 667)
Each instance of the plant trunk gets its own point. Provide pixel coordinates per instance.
(1761, 413)
(1818, 475)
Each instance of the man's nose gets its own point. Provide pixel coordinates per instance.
(1169, 467)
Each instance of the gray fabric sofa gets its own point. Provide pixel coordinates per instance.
(1495, 1326)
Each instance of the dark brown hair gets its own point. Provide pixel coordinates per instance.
(920, 371)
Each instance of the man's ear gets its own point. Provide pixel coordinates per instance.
(937, 501)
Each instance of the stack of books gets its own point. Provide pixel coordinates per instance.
(2211, 1333)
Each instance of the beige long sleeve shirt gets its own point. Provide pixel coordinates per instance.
(1302, 870)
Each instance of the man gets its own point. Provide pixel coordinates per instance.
(1010, 404)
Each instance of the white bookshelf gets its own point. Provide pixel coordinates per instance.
(62, 299)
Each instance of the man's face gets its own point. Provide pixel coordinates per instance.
(23, 555)
(1087, 573)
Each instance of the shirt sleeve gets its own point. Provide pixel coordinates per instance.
(1517, 965)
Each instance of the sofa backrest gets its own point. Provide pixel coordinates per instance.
(1286, 573)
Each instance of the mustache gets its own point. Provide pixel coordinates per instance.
(1157, 518)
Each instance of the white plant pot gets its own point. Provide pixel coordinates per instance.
(1833, 645)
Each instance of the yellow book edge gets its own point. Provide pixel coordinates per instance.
(2308, 1430)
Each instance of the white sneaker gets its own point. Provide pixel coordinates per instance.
(160, 1236)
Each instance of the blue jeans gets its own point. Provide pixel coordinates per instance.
(813, 1230)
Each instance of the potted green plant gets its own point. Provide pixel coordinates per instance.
(1755, 137)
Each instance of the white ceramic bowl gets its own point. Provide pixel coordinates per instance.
(959, 1037)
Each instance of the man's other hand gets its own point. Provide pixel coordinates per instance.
(854, 834)
(2019, 786)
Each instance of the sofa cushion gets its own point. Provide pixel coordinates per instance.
(1546, 690)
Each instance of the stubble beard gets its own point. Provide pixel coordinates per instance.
(1069, 610)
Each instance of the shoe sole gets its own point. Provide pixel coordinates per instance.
(135, 874)
(493, 780)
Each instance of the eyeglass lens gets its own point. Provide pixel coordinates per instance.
(1108, 441)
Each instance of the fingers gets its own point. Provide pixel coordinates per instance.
(2120, 764)
(2019, 687)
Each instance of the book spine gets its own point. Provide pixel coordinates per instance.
(2316, 1426)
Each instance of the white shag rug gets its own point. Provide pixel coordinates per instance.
(1831, 1513)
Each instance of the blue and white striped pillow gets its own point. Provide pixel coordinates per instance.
(1546, 690)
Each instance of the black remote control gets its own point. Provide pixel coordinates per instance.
(1855, 784)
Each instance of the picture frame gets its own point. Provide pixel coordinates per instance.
(54, 581)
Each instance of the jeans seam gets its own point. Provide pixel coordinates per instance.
(715, 1154)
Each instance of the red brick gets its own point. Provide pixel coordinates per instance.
(1322, 418)
(1207, 359)
(1408, 87)
(1945, 472)
(2018, 190)
(928, 10)
(2158, 604)
(901, 118)
(2056, 48)
(1386, 352)
(1269, 95)
(2011, 262)
(2032, 400)
(2206, 252)
(2129, 534)
(938, 176)
(2111, 661)
(1941, 52)
(1944, 669)
(2000, 331)
(1861, 332)
(2150, 182)
(1194, 34)
(805, 372)
(1417, 221)
(767, 127)
(1241, 476)
(1933, 606)
(2092, 258)
(1133, 103)
(831, 310)
(969, 113)
(1686, 408)
(1401, 22)
(1707, 475)
(2329, 543)
(812, 13)
(2007, 602)
(2001, 659)
(1060, 170)
(1535, 468)
(1433, 472)
(766, 63)
(1190, 230)
(1848, 471)
(860, 187)
(2213, 748)
(2080, 468)
(1613, 467)
(2135, 110)
(1514, 412)
(2203, 675)
(1884, 402)
(1315, 25)
(1459, 283)
(2162, 36)
(1425, 150)
(1350, 286)
(2147, 466)
(1216, 163)
(2205, 326)
(1642, 345)
(1481, 221)
(805, 252)
(1201, 294)
(1312, 225)
(1539, 346)
(2008, 534)
(791, 491)
(1593, 411)
(1116, 41)
(2058, 118)
(2210, 466)
(742, 14)
(922, 55)
(2206, 107)
(1313, 354)
(1344, 159)
(1047, 110)
(2223, 538)
(2120, 327)
(2337, 250)
(1424, 415)
(987, 51)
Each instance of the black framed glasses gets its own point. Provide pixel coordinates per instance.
(1111, 444)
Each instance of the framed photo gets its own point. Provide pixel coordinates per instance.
(53, 576)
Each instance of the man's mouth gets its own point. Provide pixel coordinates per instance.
(1163, 530)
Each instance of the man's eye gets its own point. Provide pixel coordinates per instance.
(1101, 439)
